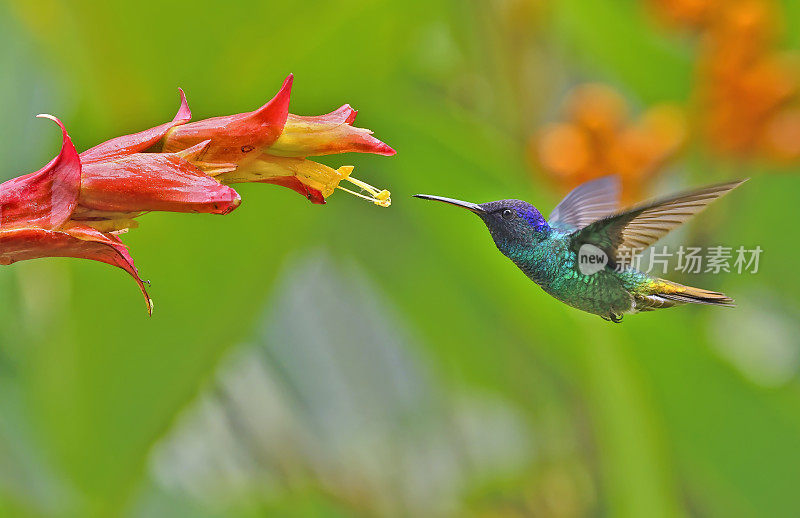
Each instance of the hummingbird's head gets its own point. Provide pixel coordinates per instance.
(513, 223)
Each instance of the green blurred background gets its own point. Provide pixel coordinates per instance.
(347, 360)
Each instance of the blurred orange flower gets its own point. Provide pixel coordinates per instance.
(748, 92)
(690, 14)
(744, 85)
(598, 138)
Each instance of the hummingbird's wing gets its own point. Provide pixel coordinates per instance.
(639, 227)
(586, 203)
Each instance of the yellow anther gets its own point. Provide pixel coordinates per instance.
(381, 198)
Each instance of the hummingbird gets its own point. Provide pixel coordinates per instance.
(581, 254)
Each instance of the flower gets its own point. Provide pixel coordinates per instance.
(692, 14)
(270, 145)
(78, 204)
(745, 86)
(598, 138)
(748, 91)
(35, 218)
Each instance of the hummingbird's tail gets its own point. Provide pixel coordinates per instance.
(661, 293)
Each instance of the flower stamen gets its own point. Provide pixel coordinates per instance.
(381, 198)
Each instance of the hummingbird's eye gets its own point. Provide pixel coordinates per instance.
(508, 214)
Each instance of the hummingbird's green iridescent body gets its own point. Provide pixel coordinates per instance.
(552, 264)
(552, 254)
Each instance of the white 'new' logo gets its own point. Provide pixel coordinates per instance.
(591, 259)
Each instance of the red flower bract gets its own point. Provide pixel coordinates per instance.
(78, 241)
(47, 197)
(36, 211)
(153, 181)
(235, 139)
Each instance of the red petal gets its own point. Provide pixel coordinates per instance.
(344, 114)
(293, 183)
(79, 241)
(47, 197)
(154, 181)
(127, 144)
(236, 138)
(351, 116)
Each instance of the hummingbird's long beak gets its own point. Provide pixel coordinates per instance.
(477, 209)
